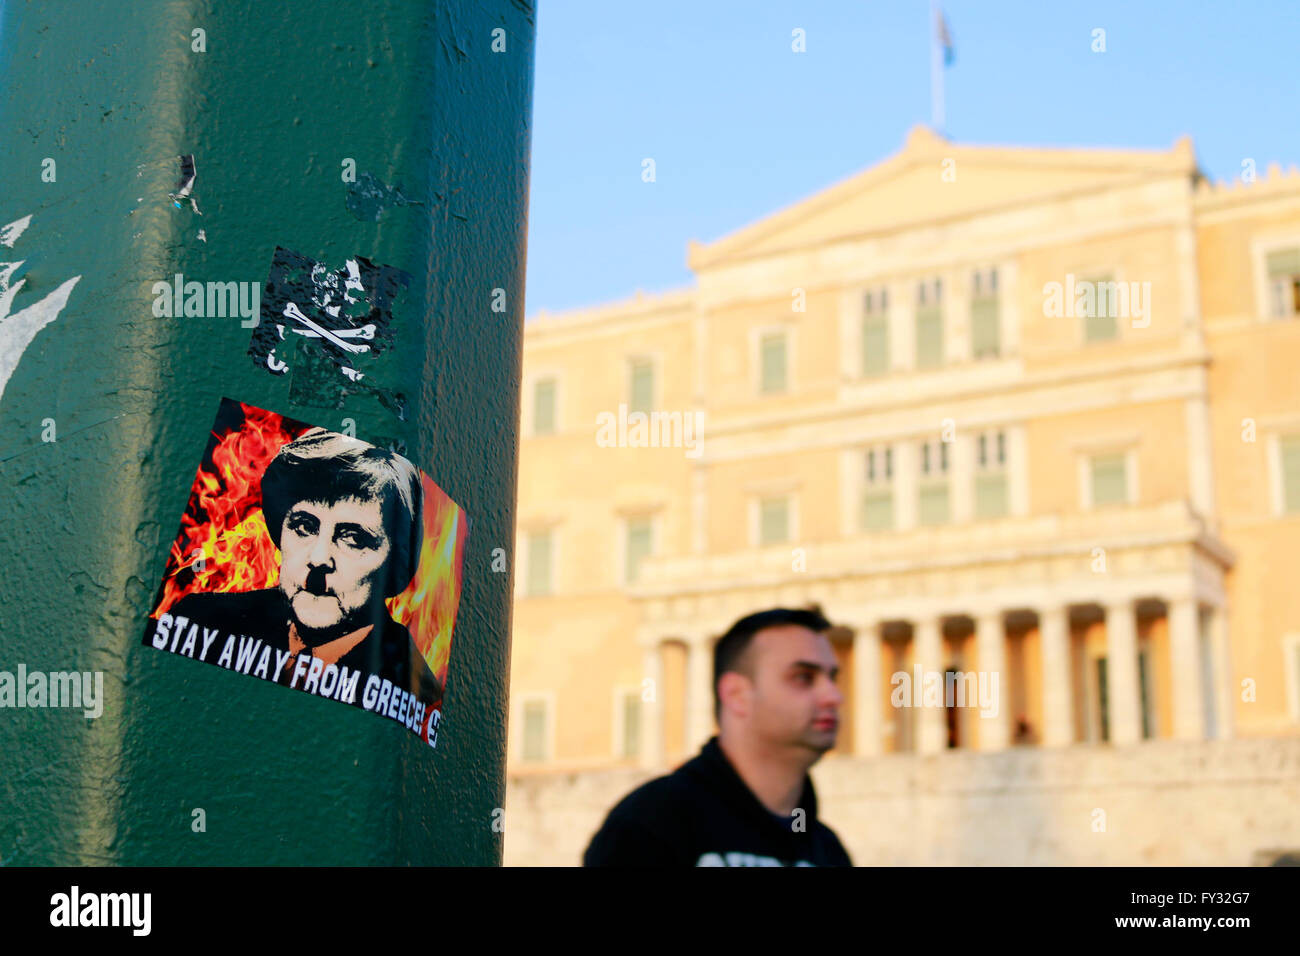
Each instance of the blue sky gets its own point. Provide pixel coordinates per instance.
(739, 126)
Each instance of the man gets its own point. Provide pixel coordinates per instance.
(345, 516)
(746, 799)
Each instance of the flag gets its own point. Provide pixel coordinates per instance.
(944, 37)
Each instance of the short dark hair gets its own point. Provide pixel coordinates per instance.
(729, 652)
(329, 468)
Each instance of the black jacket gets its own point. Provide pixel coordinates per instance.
(703, 814)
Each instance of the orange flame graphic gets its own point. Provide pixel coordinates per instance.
(223, 544)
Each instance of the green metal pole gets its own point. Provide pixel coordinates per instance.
(394, 130)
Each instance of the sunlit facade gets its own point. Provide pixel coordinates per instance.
(1031, 416)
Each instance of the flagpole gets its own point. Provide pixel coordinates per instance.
(936, 71)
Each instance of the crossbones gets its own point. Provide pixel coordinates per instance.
(337, 337)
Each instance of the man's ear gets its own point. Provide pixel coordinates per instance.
(734, 690)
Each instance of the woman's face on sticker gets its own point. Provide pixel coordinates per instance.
(332, 562)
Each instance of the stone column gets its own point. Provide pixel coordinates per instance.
(991, 648)
(1058, 681)
(1185, 667)
(699, 693)
(927, 659)
(1123, 694)
(1225, 678)
(652, 710)
(866, 690)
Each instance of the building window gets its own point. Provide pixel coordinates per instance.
(1284, 282)
(637, 546)
(875, 333)
(630, 719)
(773, 520)
(932, 500)
(1109, 479)
(540, 545)
(986, 335)
(1100, 318)
(991, 475)
(641, 390)
(536, 731)
(878, 490)
(1289, 459)
(544, 407)
(929, 324)
(772, 359)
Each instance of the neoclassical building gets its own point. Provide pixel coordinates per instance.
(1023, 423)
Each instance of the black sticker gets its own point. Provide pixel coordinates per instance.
(328, 326)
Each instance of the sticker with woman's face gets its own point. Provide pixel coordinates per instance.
(318, 561)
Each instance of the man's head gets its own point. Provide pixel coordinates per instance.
(774, 680)
(346, 518)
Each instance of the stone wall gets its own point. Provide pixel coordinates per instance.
(1158, 803)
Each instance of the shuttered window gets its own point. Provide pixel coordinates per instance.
(875, 345)
(1290, 455)
(539, 564)
(1285, 262)
(875, 333)
(986, 337)
(1101, 322)
(773, 520)
(990, 495)
(929, 337)
(638, 546)
(878, 490)
(990, 475)
(932, 491)
(535, 731)
(1109, 480)
(877, 510)
(544, 407)
(929, 324)
(932, 504)
(631, 725)
(772, 349)
(1284, 282)
(642, 386)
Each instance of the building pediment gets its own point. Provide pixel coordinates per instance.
(932, 180)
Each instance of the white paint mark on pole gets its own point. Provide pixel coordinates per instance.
(18, 330)
(9, 234)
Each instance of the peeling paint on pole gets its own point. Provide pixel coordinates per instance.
(368, 198)
(17, 329)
